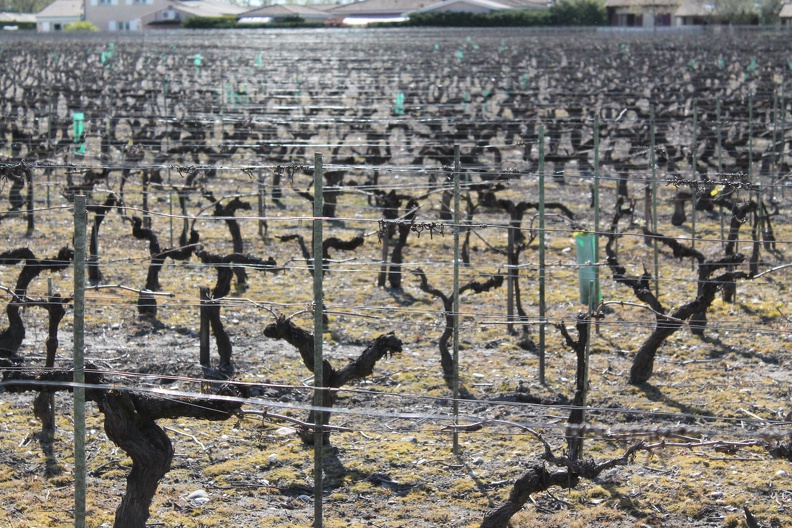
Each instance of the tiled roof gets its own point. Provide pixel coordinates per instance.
(382, 6)
(696, 8)
(642, 3)
(206, 8)
(786, 11)
(524, 4)
(491, 5)
(17, 17)
(62, 9)
(281, 10)
(401, 7)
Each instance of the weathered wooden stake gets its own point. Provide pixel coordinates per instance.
(203, 333)
(750, 148)
(80, 222)
(49, 140)
(783, 132)
(542, 307)
(31, 219)
(655, 250)
(592, 305)
(318, 334)
(510, 280)
(720, 167)
(774, 168)
(262, 224)
(50, 431)
(455, 390)
(596, 204)
(170, 214)
(694, 176)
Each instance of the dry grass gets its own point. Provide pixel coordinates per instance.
(394, 472)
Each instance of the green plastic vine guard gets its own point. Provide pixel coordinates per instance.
(240, 96)
(107, 55)
(78, 129)
(258, 61)
(585, 243)
(460, 55)
(692, 64)
(398, 108)
(721, 63)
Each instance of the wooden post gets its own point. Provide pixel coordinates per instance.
(203, 333)
(542, 314)
(80, 222)
(262, 224)
(596, 200)
(510, 279)
(31, 222)
(170, 215)
(655, 251)
(694, 177)
(783, 132)
(49, 141)
(318, 265)
(750, 146)
(720, 167)
(775, 148)
(592, 305)
(455, 391)
(146, 215)
(50, 430)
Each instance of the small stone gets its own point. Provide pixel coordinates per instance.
(410, 439)
(198, 494)
(717, 495)
(781, 473)
(479, 376)
(285, 431)
(304, 498)
(273, 457)
(478, 461)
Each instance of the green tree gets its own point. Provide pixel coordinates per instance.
(748, 11)
(81, 25)
(23, 6)
(579, 13)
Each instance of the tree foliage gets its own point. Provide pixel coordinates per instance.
(81, 25)
(494, 19)
(748, 11)
(23, 6)
(579, 13)
(564, 13)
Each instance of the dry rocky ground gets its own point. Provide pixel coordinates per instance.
(394, 465)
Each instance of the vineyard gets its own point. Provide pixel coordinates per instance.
(554, 285)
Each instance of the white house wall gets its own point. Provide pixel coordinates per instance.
(120, 15)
